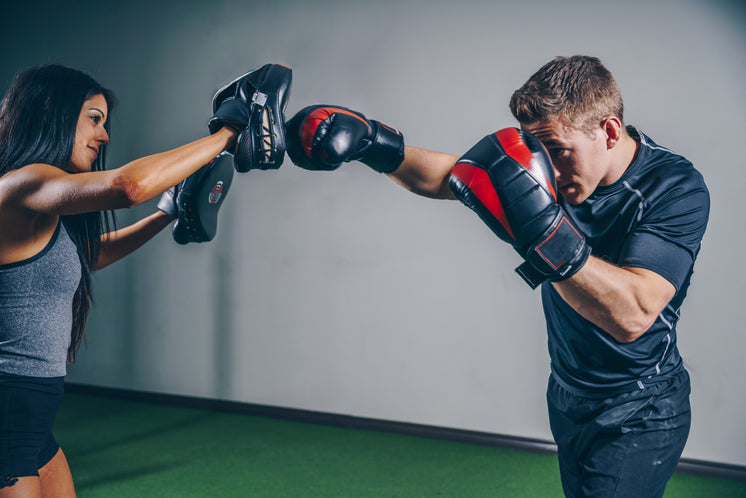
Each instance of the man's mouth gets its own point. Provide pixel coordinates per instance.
(564, 187)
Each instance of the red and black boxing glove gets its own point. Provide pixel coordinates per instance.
(508, 180)
(322, 137)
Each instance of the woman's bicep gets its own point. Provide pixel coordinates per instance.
(46, 189)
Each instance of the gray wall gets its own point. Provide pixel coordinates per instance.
(343, 293)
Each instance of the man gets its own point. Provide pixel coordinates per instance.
(610, 228)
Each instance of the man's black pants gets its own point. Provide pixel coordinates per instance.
(627, 445)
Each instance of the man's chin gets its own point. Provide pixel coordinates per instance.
(573, 197)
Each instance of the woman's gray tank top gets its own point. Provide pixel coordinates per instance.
(36, 297)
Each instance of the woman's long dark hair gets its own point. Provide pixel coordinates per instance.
(38, 119)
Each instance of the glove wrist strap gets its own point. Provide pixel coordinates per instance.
(560, 252)
(386, 151)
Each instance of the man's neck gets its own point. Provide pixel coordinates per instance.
(624, 154)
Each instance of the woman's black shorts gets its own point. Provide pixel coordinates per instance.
(28, 407)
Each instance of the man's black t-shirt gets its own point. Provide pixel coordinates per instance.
(653, 217)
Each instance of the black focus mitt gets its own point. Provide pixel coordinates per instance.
(254, 105)
(196, 200)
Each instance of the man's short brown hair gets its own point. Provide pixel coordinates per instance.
(577, 90)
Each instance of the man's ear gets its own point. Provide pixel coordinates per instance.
(612, 127)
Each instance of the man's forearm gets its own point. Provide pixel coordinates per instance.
(425, 172)
(623, 301)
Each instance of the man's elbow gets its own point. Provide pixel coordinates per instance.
(634, 327)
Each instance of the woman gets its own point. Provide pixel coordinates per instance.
(54, 231)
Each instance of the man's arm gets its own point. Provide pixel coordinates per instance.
(509, 183)
(425, 172)
(322, 137)
(623, 301)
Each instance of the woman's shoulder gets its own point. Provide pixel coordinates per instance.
(23, 232)
(22, 238)
(21, 181)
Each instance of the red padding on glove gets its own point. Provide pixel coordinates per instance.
(479, 183)
(313, 120)
(512, 142)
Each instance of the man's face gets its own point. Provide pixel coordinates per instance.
(580, 160)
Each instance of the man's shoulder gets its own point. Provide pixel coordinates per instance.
(663, 166)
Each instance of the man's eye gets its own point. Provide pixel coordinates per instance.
(558, 152)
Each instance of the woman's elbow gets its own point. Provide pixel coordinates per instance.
(127, 192)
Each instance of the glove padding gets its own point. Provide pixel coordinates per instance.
(508, 180)
(254, 105)
(196, 200)
(322, 137)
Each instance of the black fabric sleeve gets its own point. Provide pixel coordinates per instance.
(670, 232)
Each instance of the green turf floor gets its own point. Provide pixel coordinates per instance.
(119, 448)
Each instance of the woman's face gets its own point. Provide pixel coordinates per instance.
(90, 134)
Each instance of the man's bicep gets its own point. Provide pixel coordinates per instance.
(668, 240)
(658, 290)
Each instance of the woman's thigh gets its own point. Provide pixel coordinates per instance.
(56, 479)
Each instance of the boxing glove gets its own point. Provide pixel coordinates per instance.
(322, 137)
(508, 180)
